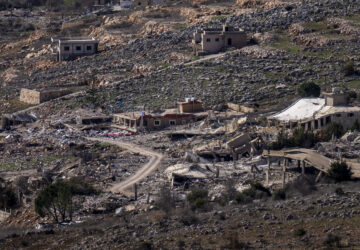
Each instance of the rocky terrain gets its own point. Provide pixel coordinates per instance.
(146, 62)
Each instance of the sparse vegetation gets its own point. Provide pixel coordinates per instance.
(197, 198)
(349, 68)
(299, 138)
(334, 129)
(309, 89)
(7, 198)
(299, 232)
(339, 191)
(279, 194)
(56, 200)
(166, 200)
(332, 241)
(339, 171)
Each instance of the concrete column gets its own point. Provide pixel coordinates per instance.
(135, 191)
(268, 171)
(303, 167)
(284, 171)
(318, 177)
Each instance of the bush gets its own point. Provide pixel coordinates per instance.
(339, 191)
(335, 129)
(299, 138)
(8, 198)
(300, 232)
(309, 89)
(256, 191)
(339, 171)
(166, 201)
(56, 200)
(279, 194)
(187, 217)
(349, 68)
(197, 193)
(332, 241)
(303, 185)
(199, 203)
(355, 126)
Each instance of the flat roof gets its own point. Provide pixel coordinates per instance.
(74, 39)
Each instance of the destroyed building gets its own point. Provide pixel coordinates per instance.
(318, 113)
(31, 96)
(69, 48)
(210, 40)
(186, 112)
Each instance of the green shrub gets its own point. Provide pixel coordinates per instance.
(279, 194)
(197, 193)
(299, 138)
(303, 185)
(355, 126)
(8, 198)
(165, 201)
(199, 203)
(339, 191)
(255, 191)
(300, 232)
(197, 198)
(349, 68)
(309, 89)
(332, 241)
(339, 171)
(335, 129)
(56, 200)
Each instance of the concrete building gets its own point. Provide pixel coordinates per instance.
(209, 41)
(318, 113)
(69, 48)
(190, 106)
(31, 96)
(137, 121)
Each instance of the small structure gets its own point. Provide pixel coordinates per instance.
(39, 96)
(69, 48)
(211, 41)
(318, 113)
(186, 112)
(190, 106)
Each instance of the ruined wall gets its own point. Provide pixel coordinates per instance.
(48, 95)
(30, 96)
(37, 97)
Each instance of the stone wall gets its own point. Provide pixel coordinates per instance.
(36, 97)
(30, 96)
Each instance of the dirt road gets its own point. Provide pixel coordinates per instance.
(154, 163)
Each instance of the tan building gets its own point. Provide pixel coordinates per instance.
(31, 96)
(71, 48)
(211, 41)
(318, 113)
(186, 112)
(190, 106)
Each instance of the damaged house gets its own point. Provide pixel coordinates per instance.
(70, 48)
(318, 113)
(186, 112)
(210, 41)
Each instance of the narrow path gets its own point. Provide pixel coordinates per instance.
(143, 172)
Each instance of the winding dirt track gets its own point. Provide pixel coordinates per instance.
(143, 172)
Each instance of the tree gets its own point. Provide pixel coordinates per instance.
(349, 68)
(309, 89)
(56, 201)
(339, 171)
(334, 129)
